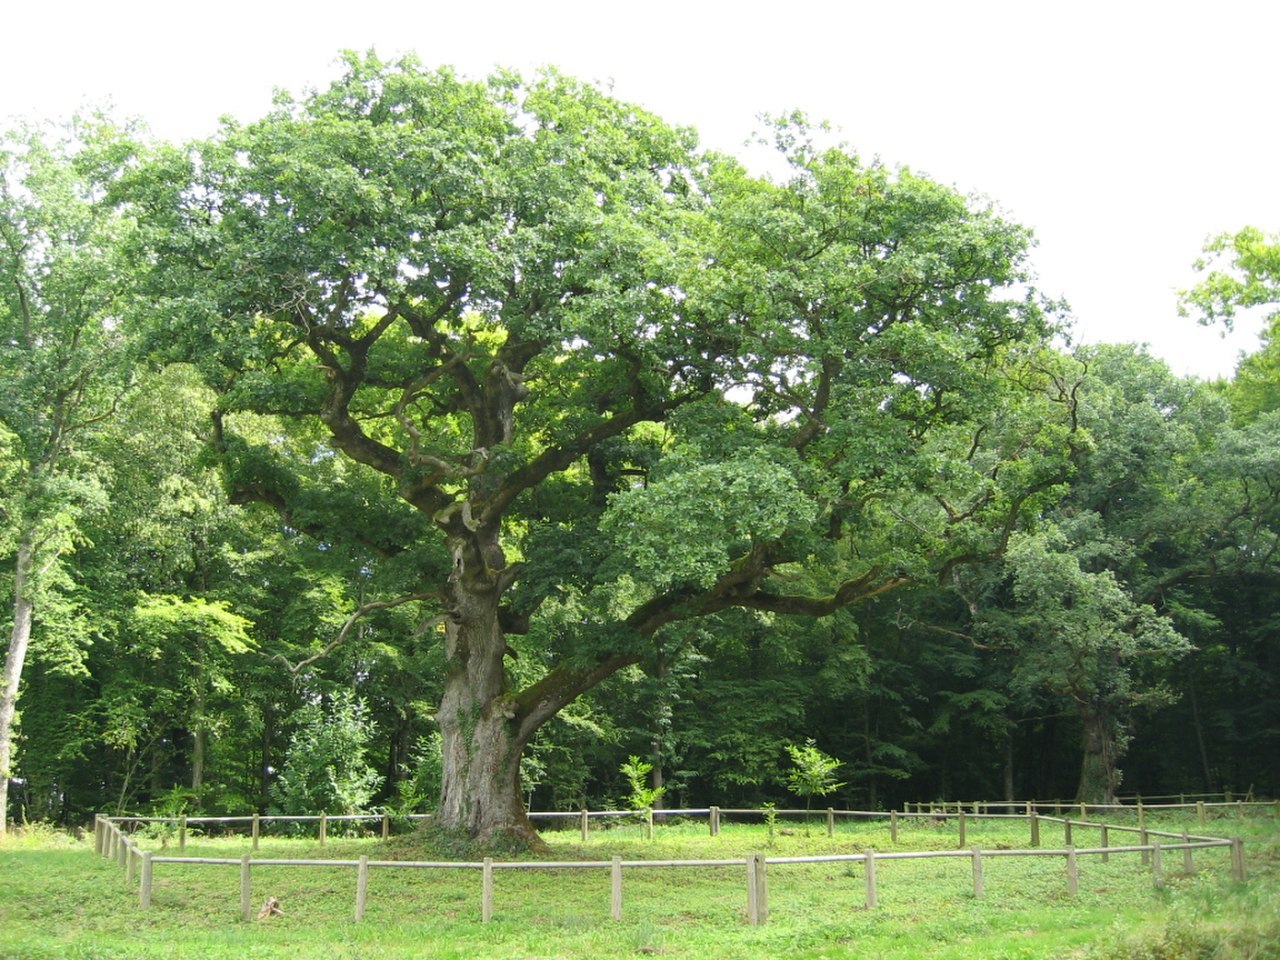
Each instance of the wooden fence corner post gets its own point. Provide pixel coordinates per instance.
(246, 898)
(615, 877)
(486, 890)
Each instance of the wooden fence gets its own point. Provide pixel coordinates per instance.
(113, 842)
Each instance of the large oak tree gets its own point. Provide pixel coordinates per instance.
(565, 381)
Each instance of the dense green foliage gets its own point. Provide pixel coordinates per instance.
(433, 441)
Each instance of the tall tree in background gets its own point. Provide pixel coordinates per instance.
(62, 369)
(569, 383)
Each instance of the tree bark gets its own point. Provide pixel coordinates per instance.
(15, 658)
(480, 722)
(1099, 770)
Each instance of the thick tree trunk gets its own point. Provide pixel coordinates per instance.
(480, 722)
(1099, 770)
(15, 658)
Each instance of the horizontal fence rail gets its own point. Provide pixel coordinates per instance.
(113, 841)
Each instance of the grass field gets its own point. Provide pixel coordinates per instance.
(59, 900)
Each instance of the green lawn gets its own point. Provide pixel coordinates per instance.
(59, 900)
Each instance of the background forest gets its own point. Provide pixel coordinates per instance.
(745, 462)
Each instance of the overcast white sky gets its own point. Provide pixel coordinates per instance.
(1123, 132)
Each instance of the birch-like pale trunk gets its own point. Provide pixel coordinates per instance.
(15, 658)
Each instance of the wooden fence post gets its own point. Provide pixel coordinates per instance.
(1157, 865)
(486, 891)
(962, 831)
(130, 856)
(1237, 858)
(616, 884)
(386, 826)
(1142, 815)
(979, 887)
(256, 830)
(648, 823)
(762, 889)
(584, 824)
(144, 887)
(122, 850)
(1073, 872)
(324, 828)
(1103, 843)
(246, 899)
(757, 890)
(182, 833)
(1145, 841)
(1084, 812)
(362, 887)
(1066, 832)
(893, 826)
(715, 821)
(1035, 829)
(97, 834)
(1200, 812)
(1188, 865)
(831, 822)
(870, 864)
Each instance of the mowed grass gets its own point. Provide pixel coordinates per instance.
(59, 900)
